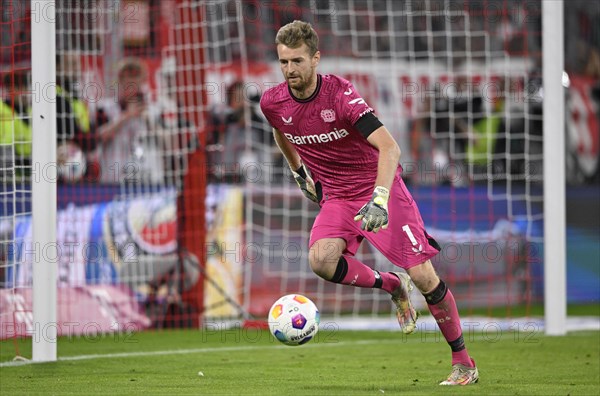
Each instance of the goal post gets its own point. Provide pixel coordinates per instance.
(44, 179)
(555, 282)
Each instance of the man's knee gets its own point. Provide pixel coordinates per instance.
(323, 259)
(322, 266)
(424, 277)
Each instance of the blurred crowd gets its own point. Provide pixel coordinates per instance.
(123, 137)
(134, 135)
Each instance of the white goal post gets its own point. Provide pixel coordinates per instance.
(555, 255)
(45, 267)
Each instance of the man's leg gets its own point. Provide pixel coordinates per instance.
(327, 261)
(442, 306)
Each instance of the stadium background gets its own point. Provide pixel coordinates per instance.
(224, 240)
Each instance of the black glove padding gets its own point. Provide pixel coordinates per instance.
(307, 185)
(374, 214)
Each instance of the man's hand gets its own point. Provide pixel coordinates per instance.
(374, 214)
(306, 183)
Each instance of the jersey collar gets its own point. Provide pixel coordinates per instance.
(312, 96)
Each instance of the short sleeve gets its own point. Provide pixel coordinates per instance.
(265, 101)
(353, 105)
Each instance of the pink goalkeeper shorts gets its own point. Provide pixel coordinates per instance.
(405, 242)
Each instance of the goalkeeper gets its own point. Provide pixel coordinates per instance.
(344, 159)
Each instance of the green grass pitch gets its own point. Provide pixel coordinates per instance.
(251, 362)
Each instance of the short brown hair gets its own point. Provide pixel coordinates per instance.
(296, 33)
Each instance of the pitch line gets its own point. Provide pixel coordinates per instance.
(190, 351)
(595, 327)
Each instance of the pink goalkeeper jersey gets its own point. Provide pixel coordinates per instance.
(321, 128)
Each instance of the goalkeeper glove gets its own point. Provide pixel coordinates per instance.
(306, 184)
(374, 214)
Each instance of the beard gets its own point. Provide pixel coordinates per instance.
(299, 83)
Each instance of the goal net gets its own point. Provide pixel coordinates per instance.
(15, 152)
(134, 109)
(174, 205)
(456, 83)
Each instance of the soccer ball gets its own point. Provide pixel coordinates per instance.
(294, 319)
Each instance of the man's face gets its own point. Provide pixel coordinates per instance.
(297, 66)
(130, 88)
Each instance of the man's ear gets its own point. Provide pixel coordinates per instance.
(316, 58)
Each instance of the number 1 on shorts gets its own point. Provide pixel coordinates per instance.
(408, 231)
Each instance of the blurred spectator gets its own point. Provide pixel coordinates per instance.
(456, 111)
(76, 123)
(19, 101)
(73, 132)
(179, 134)
(460, 134)
(592, 66)
(15, 128)
(129, 150)
(240, 141)
(484, 136)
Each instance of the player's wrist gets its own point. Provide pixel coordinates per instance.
(301, 171)
(381, 195)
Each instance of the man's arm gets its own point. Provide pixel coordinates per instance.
(374, 214)
(389, 156)
(288, 151)
(108, 131)
(301, 175)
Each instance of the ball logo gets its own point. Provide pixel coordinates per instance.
(300, 299)
(328, 115)
(298, 321)
(277, 311)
